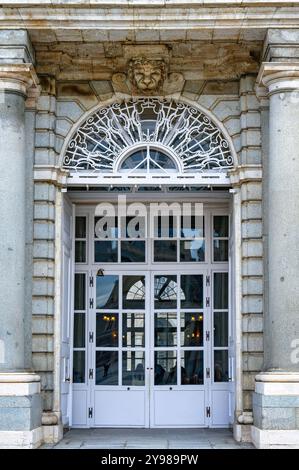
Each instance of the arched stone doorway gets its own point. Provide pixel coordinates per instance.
(149, 360)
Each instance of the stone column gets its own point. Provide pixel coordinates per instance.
(276, 401)
(20, 405)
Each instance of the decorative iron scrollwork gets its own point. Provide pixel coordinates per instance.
(112, 132)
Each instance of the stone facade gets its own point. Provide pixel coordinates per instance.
(67, 73)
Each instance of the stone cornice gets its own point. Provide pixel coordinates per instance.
(50, 174)
(141, 14)
(19, 78)
(245, 173)
(278, 77)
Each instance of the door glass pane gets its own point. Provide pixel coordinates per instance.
(106, 251)
(80, 251)
(192, 368)
(165, 291)
(165, 329)
(133, 368)
(165, 368)
(105, 227)
(220, 329)
(133, 251)
(191, 329)
(133, 227)
(80, 229)
(107, 292)
(79, 367)
(192, 250)
(220, 250)
(221, 226)
(106, 367)
(134, 292)
(220, 290)
(79, 291)
(107, 330)
(192, 226)
(79, 330)
(133, 329)
(221, 366)
(165, 251)
(191, 291)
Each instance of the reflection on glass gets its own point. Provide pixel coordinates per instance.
(107, 291)
(133, 368)
(134, 292)
(105, 251)
(220, 329)
(220, 250)
(133, 227)
(192, 226)
(79, 367)
(165, 226)
(80, 251)
(220, 225)
(220, 290)
(192, 368)
(165, 368)
(79, 293)
(137, 159)
(221, 366)
(192, 250)
(105, 227)
(191, 329)
(159, 160)
(192, 287)
(79, 330)
(106, 368)
(133, 329)
(165, 329)
(107, 330)
(165, 251)
(165, 291)
(133, 251)
(80, 227)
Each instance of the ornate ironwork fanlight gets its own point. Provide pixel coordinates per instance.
(148, 135)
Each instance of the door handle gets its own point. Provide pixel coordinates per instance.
(67, 379)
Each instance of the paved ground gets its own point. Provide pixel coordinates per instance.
(149, 439)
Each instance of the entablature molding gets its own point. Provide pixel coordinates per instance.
(139, 14)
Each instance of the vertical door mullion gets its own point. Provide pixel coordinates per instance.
(178, 315)
(90, 346)
(208, 343)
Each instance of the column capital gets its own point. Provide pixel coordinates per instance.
(279, 77)
(20, 78)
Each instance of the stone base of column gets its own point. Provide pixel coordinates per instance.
(20, 411)
(52, 434)
(242, 432)
(276, 411)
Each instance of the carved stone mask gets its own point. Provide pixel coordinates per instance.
(147, 75)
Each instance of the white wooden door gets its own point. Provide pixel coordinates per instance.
(120, 381)
(152, 339)
(66, 312)
(180, 361)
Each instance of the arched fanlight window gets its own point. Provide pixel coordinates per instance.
(147, 160)
(149, 136)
